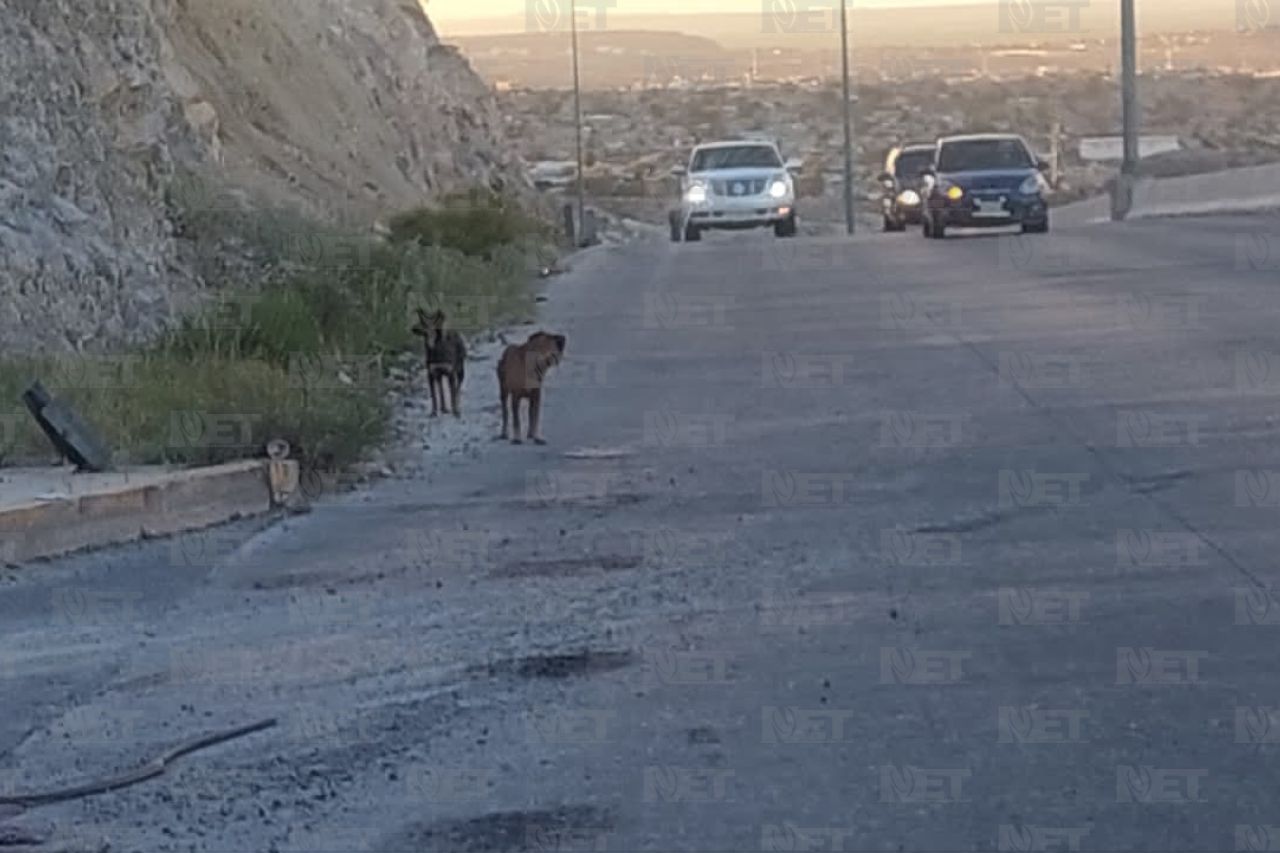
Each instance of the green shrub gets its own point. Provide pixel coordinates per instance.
(475, 223)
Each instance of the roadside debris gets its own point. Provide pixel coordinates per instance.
(554, 269)
(67, 431)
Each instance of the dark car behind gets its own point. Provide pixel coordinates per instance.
(900, 180)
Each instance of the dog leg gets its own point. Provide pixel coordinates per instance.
(515, 419)
(446, 380)
(455, 389)
(435, 395)
(502, 401)
(535, 415)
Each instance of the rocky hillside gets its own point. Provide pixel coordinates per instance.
(349, 111)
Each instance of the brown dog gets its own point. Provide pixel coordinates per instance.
(446, 355)
(520, 373)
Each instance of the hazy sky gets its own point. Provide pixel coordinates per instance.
(446, 11)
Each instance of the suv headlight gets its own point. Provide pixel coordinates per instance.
(910, 198)
(779, 188)
(1034, 185)
(696, 193)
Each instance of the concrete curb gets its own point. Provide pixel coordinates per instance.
(157, 506)
(1252, 189)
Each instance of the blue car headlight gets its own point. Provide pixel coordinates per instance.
(1034, 185)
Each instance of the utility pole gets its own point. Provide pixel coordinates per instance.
(580, 235)
(849, 223)
(1123, 199)
(1055, 153)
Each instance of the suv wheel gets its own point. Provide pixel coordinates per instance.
(890, 225)
(786, 228)
(692, 234)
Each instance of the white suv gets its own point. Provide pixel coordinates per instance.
(742, 184)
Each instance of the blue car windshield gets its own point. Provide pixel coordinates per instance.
(736, 157)
(980, 155)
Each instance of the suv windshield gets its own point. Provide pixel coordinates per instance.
(983, 154)
(736, 157)
(910, 164)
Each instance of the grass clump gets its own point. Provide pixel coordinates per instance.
(299, 350)
(476, 223)
(153, 408)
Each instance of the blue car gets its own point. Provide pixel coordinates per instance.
(984, 181)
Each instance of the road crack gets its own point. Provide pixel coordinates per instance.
(1113, 470)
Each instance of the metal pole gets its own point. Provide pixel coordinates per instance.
(1055, 153)
(580, 235)
(1123, 199)
(1129, 58)
(849, 223)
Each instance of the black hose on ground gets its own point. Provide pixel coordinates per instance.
(142, 774)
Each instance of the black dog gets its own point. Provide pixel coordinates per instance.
(446, 355)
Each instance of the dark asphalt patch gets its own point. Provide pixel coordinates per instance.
(564, 828)
(299, 580)
(703, 735)
(567, 566)
(141, 683)
(1155, 483)
(963, 524)
(484, 500)
(21, 837)
(556, 666)
(606, 501)
(982, 520)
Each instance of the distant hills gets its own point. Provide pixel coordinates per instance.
(612, 58)
(614, 40)
(995, 22)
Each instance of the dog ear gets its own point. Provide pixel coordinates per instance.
(560, 340)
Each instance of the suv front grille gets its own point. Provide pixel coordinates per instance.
(739, 189)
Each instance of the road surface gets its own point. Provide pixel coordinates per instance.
(870, 546)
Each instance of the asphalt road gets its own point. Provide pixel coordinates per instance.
(870, 546)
